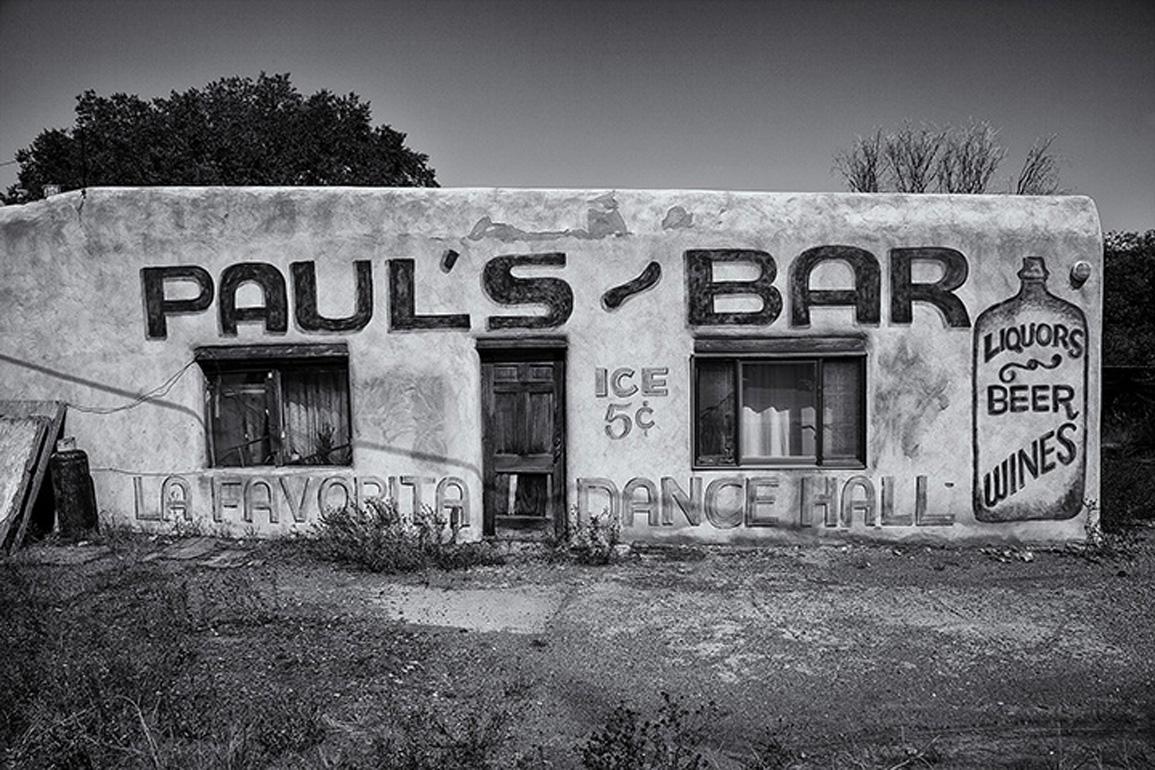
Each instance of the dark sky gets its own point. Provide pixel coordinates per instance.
(635, 94)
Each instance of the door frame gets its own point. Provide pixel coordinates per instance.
(549, 349)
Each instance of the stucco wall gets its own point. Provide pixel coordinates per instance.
(73, 327)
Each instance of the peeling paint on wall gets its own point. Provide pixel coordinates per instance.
(602, 220)
(677, 218)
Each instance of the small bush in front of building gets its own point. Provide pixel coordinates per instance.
(671, 740)
(593, 541)
(425, 739)
(378, 537)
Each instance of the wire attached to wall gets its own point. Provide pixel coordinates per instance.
(160, 391)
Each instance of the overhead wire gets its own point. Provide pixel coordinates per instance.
(160, 391)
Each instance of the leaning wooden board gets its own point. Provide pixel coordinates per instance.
(28, 433)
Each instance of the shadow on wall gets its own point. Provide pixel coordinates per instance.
(152, 397)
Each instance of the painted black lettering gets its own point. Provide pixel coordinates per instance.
(1071, 451)
(1062, 397)
(1046, 449)
(305, 299)
(864, 297)
(616, 297)
(274, 313)
(990, 348)
(503, 287)
(1076, 349)
(1040, 398)
(402, 305)
(701, 288)
(995, 485)
(157, 308)
(904, 292)
(1019, 398)
(996, 399)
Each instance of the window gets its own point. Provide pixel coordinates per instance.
(779, 402)
(277, 405)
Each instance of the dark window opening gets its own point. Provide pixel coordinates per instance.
(277, 405)
(751, 411)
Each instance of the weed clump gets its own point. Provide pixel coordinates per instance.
(380, 538)
(115, 678)
(669, 741)
(594, 541)
(426, 740)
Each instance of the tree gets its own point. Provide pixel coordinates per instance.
(969, 158)
(1040, 172)
(1128, 312)
(950, 160)
(234, 131)
(862, 165)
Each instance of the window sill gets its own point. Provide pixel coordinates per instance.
(778, 467)
(275, 469)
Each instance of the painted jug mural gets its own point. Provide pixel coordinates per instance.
(1030, 404)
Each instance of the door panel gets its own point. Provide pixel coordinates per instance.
(523, 442)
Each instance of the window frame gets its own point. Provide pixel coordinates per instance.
(274, 360)
(816, 351)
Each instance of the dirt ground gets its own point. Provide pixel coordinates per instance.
(829, 656)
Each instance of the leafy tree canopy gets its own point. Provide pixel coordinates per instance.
(1128, 307)
(234, 131)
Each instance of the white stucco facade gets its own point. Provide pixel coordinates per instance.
(898, 283)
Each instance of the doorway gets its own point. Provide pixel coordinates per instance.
(523, 438)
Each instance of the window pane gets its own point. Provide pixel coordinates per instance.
(842, 408)
(778, 410)
(715, 393)
(240, 419)
(521, 494)
(316, 414)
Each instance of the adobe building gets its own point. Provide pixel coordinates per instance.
(712, 367)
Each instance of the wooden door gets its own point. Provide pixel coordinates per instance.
(523, 443)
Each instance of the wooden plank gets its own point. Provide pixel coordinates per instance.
(21, 441)
(210, 353)
(521, 522)
(558, 510)
(504, 347)
(53, 413)
(54, 432)
(487, 451)
(781, 346)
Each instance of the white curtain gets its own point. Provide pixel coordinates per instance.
(778, 410)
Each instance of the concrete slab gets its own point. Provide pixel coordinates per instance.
(523, 611)
(64, 555)
(188, 549)
(230, 558)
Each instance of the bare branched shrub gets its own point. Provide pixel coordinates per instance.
(970, 157)
(950, 160)
(593, 541)
(862, 165)
(912, 155)
(1040, 172)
